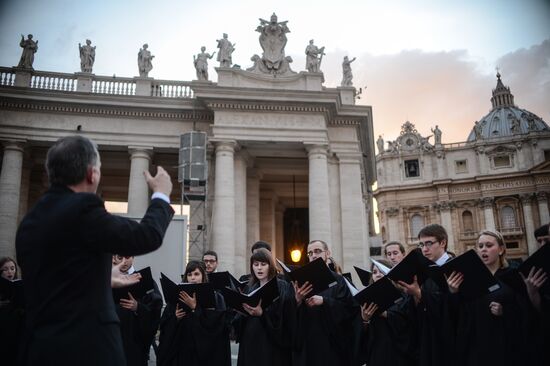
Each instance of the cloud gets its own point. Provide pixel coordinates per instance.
(445, 88)
(527, 72)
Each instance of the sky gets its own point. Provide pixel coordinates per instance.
(426, 61)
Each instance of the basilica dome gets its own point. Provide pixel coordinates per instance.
(505, 119)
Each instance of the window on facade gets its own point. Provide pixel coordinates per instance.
(412, 168)
(501, 161)
(417, 223)
(546, 155)
(461, 166)
(508, 217)
(512, 245)
(467, 221)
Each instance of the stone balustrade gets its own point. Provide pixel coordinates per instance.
(111, 85)
(53, 81)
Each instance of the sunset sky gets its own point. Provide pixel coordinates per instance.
(430, 62)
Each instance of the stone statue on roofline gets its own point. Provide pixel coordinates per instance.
(30, 47)
(347, 76)
(145, 61)
(226, 50)
(437, 135)
(380, 144)
(314, 57)
(273, 41)
(87, 56)
(201, 64)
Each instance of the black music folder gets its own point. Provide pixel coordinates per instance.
(414, 264)
(12, 291)
(268, 293)
(478, 280)
(364, 275)
(220, 280)
(316, 273)
(382, 292)
(206, 298)
(539, 259)
(138, 290)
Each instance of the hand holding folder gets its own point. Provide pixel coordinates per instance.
(266, 294)
(478, 280)
(316, 273)
(203, 293)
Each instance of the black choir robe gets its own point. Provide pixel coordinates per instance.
(12, 324)
(485, 339)
(267, 340)
(138, 329)
(389, 340)
(435, 325)
(323, 332)
(201, 338)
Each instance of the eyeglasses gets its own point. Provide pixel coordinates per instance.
(315, 251)
(426, 244)
(209, 261)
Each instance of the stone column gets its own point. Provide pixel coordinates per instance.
(487, 206)
(138, 191)
(279, 247)
(268, 201)
(447, 223)
(25, 185)
(223, 215)
(352, 213)
(319, 198)
(393, 229)
(253, 208)
(532, 245)
(241, 255)
(335, 209)
(10, 190)
(543, 208)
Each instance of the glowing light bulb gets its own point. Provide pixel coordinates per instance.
(296, 255)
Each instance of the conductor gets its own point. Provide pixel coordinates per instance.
(64, 246)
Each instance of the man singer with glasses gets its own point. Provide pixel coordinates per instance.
(433, 306)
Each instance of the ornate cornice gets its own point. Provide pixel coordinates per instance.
(113, 111)
(266, 107)
(345, 122)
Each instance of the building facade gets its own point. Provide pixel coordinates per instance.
(277, 143)
(498, 179)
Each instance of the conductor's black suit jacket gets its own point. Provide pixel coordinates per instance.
(64, 247)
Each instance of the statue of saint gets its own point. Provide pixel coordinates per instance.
(437, 135)
(145, 61)
(478, 130)
(226, 50)
(346, 71)
(314, 56)
(515, 127)
(201, 64)
(380, 144)
(273, 41)
(29, 49)
(87, 56)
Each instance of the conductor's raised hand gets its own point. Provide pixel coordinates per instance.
(161, 182)
(119, 279)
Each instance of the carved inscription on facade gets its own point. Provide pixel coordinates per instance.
(507, 184)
